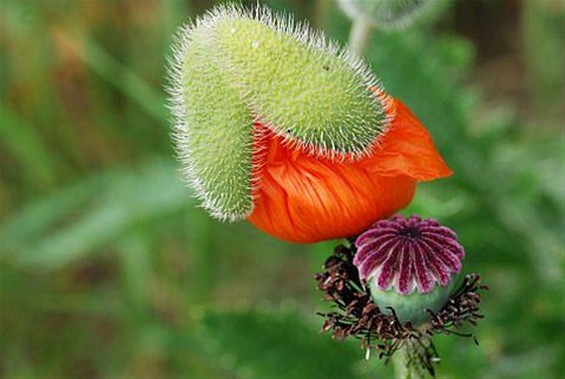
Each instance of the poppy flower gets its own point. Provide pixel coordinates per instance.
(277, 125)
(305, 198)
(397, 324)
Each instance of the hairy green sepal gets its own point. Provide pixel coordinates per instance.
(234, 67)
(306, 94)
(219, 133)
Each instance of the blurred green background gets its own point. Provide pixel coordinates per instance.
(109, 269)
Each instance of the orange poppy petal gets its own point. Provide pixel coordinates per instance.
(407, 149)
(303, 198)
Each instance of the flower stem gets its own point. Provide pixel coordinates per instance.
(360, 35)
(406, 363)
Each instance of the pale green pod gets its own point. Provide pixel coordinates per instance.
(412, 307)
(233, 67)
(385, 14)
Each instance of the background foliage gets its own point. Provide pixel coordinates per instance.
(108, 269)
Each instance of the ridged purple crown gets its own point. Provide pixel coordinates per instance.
(407, 254)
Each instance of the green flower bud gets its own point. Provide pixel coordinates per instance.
(385, 14)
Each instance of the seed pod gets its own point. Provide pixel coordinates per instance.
(409, 265)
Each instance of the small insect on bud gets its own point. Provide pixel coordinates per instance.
(409, 266)
(385, 14)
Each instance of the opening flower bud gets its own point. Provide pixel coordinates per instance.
(409, 266)
(276, 125)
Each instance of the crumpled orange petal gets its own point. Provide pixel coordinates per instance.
(304, 198)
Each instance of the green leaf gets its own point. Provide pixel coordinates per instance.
(27, 146)
(123, 78)
(277, 343)
(58, 230)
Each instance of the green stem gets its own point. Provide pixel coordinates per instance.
(406, 363)
(399, 361)
(360, 35)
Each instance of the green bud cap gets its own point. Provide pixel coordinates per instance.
(303, 90)
(213, 130)
(234, 67)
